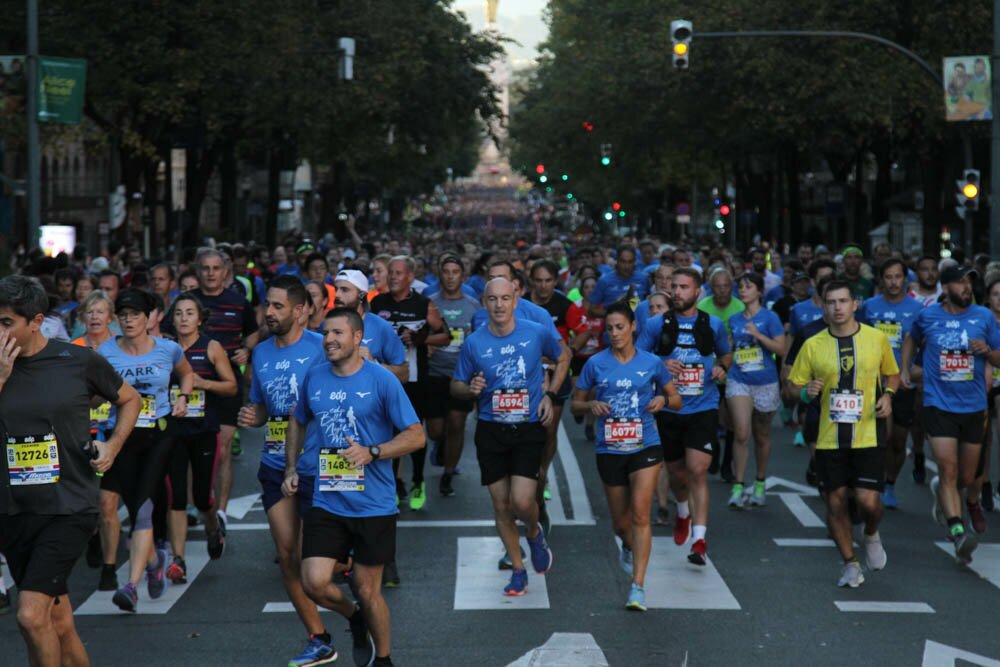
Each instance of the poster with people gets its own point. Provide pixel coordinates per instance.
(967, 88)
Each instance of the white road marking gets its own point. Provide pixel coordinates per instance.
(942, 655)
(557, 514)
(985, 560)
(800, 542)
(884, 607)
(798, 507)
(565, 648)
(674, 583)
(582, 514)
(238, 507)
(285, 608)
(479, 584)
(802, 489)
(99, 603)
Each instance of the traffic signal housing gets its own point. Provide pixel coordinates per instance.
(969, 188)
(680, 37)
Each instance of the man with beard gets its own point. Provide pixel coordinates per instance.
(956, 339)
(380, 343)
(695, 348)
(279, 368)
(927, 289)
(862, 288)
(758, 264)
(892, 312)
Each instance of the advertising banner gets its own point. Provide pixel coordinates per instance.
(967, 91)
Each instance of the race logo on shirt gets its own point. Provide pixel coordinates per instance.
(284, 392)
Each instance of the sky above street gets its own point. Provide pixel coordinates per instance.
(518, 19)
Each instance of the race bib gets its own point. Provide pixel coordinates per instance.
(623, 434)
(995, 377)
(147, 414)
(846, 406)
(511, 405)
(100, 415)
(892, 330)
(750, 358)
(457, 338)
(277, 432)
(196, 402)
(336, 473)
(33, 459)
(956, 365)
(691, 380)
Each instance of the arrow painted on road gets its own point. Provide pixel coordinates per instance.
(942, 655)
(238, 507)
(565, 648)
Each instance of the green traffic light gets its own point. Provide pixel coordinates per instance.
(543, 178)
(565, 177)
(605, 160)
(569, 195)
(548, 190)
(621, 214)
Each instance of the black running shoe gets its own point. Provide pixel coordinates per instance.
(812, 479)
(445, 486)
(363, 646)
(109, 580)
(390, 576)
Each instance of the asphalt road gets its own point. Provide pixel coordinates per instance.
(768, 598)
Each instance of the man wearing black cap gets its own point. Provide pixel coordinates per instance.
(956, 339)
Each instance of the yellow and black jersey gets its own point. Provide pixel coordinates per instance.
(851, 368)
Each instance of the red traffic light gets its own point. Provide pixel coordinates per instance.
(616, 206)
(589, 127)
(724, 209)
(540, 169)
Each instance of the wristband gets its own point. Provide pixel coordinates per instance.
(804, 396)
(890, 391)
(551, 395)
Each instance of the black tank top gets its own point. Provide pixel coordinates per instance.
(197, 356)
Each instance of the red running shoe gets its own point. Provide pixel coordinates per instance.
(682, 529)
(699, 550)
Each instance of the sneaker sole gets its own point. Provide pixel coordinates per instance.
(124, 603)
(964, 553)
(516, 594)
(324, 661)
(850, 584)
(635, 606)
(697, 559)
(369, 657)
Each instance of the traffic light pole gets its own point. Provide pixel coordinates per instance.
(33, 180)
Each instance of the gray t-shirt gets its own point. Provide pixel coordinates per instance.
(457, 316)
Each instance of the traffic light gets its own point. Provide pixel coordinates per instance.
(565, 177)
(587, 126)
(543, 179)
(605, 155)
(968, 192)
(540, 169)
(680, 36)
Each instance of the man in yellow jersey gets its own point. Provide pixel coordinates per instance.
(843, 366)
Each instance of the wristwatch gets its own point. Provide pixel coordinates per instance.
(375, 452)
(551, 395)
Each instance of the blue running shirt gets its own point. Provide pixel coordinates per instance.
(954, 377)
(150, 375)
(512, 366)
(753, 363)
(628, 388)
(367, 407)
(278, 373)
(696, 386)
(382, 341)
(610, 287)
(893, 319)
(802, 314)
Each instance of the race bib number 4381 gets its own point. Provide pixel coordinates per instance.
(33, 459)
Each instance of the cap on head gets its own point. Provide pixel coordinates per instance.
(954, 274)
(354, 277)
(135, 299)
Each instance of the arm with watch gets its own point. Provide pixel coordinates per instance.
(405, 442)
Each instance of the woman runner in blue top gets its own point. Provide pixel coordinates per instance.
(628, 387)
(752, 387)
(145, 363)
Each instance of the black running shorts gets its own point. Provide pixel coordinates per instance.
(615, 469)
(963, 426)
(371, 538)
(506, 450)
(862, 468)
(697, 430)
(41, 549)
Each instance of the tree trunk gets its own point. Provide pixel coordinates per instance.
(273, 194)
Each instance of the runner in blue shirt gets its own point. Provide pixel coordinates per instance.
(380, 343)
(137, 475)
(892, 312)
(280, 364)
(349, 411)
(628, 387)
(956, 339)
(695, 348)
(623, 281)
(500, 366)
(752, 392)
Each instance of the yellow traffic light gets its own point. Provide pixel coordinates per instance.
(680, 49)
(970, 190)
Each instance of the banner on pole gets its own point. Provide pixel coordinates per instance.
(62, 82)
(967, 91)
